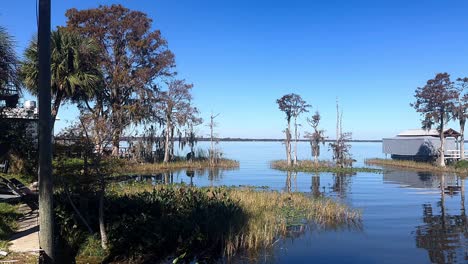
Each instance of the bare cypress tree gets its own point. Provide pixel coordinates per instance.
(435, 102)
(213, 152)
(292, 105)
(317, 137)
(341, 148)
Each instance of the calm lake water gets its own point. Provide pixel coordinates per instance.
(407, 216)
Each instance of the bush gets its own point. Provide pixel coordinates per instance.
(462, 164)
(156, 224)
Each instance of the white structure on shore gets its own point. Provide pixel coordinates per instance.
(420, 144)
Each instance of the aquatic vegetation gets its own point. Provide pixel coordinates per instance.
(133, 167)
(150, 223)
(321, 166)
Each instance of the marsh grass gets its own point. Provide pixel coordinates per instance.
(322, 166)
(264, 216)
(142, 168)
(271, 215)
(458, 167)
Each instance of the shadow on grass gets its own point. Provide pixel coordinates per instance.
(8, 217)
(151, 226)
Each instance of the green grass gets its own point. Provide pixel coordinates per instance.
(322, 166)
(461, 164)
(8, 224)
(21, 177)
(460, 167)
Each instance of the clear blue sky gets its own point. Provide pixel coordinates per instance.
(242, 55)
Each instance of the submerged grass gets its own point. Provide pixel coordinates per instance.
(133, 167)
(458, 167)
(322, 166)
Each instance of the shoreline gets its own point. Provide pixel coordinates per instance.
(414, 165)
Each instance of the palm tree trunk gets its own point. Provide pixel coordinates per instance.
(102, 226)
(55, 108)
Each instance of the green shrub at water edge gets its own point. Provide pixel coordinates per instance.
(462, 164)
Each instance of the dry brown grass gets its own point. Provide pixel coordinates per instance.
(321, 166)
(414, 165)
(23, 258)
(270, 215)
(131, 167)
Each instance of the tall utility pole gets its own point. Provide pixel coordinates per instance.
(46, 209)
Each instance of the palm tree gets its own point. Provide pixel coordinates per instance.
(75, 75)
(8, 62)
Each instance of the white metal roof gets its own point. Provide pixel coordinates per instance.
(418, 132)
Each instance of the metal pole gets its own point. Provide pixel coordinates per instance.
(46, 210)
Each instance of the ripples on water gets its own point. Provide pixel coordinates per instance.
(408, 216)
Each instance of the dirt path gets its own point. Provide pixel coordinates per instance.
(26, 238)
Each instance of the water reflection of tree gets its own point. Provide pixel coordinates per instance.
(215, 174)
(290, 177)
(341, 184)
(315, 187)
(190, 174)
(443, 235)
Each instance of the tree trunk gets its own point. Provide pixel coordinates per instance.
(102, 226)
(462, 138)
(288, 144)
(172, 144)
(295, 141)
(46, 190)
(117, 126)
(442, 144)
(212, 151)
(55, 109)
(167, 141)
